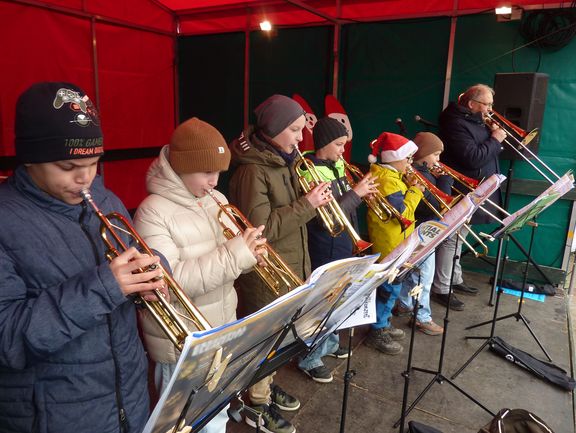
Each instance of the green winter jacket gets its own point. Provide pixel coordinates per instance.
(266, 191)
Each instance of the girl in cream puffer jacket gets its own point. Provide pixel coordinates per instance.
(185, 229)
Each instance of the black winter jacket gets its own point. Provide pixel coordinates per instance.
(323, 247)
(470, 149)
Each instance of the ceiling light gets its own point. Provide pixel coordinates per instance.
(504, 10)
(265, 26)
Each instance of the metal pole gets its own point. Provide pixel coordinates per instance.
(246, 70)
(450, 60)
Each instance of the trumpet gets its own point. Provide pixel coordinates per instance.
(331, 214)
(275, 273)
(161, 310)
(447, 202)
(376, 202)
(493, 118)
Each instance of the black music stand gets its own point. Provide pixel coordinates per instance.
(406, 374)
(516, 221)
(497, 261)
(518, 314)
(438, 373)
(348, 375)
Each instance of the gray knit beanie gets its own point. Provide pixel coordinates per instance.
(277, 113)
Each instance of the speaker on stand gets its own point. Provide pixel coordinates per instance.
(521, 98)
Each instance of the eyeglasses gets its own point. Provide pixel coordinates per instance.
(486, 104)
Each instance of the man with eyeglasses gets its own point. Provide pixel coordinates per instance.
(472, 148)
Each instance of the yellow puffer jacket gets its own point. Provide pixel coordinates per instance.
(386, 236)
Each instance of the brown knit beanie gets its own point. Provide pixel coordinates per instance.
(197, 146)
(427, 143)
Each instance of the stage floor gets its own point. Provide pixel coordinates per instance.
(375, 397)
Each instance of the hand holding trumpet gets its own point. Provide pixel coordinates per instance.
(366, 186)
(411, 179)
(138, 273)
(320, 195)
(255, 243)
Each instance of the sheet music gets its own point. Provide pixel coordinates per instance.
(430, 234)
(554, 192)
(246, 343)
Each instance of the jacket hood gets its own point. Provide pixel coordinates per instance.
(251, 149)
(455, 110)
(161, 179)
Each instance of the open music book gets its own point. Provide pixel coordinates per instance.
(217, 364)
(518, 219)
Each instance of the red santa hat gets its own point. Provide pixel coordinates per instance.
(392, 147)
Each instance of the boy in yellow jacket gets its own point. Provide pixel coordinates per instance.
(404, 194)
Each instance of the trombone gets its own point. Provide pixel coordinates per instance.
(440, 169)
(161, 310)
(447, 202)
(331, 214)
(493, 118)
(376, 202)
(275, 272)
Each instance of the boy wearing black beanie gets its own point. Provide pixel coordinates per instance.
(330, 137)
(69, 343)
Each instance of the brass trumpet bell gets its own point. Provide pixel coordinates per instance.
(275, 273)
(161, 310)
(331, 214)
(376, 202)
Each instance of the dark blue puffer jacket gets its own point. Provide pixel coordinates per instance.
(71, 360)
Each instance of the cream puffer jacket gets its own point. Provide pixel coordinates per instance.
(186, 231)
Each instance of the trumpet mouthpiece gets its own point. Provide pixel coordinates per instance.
(85, 193)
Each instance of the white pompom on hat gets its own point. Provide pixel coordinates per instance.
(392, 147)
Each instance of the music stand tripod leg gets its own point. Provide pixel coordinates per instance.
(518, 315)
(406, 373)
(348, 375)
(490, 338)
(438, 375)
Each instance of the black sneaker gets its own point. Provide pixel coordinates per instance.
(283, 400)
(442, 298)
(341, 353)
(320, 374)
(463, 289)
(270, 420)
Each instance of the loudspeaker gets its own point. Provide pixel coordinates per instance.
(521, 98)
